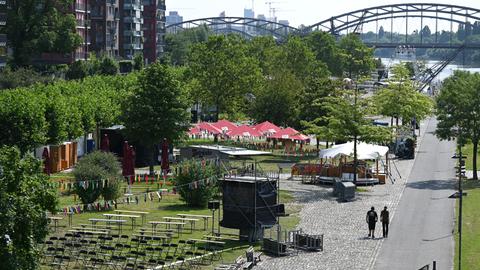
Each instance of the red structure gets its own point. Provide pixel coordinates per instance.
(153, 29)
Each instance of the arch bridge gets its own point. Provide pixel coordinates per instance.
(248, 27)
(354, 21)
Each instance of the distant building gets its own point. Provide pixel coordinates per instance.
(174, 18)
(3, 33)
(248, 13)
(154, 29)
(285, 22)
(131, 28)
(104, 35)
(261, 17)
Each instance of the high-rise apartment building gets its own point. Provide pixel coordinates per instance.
(104, 21)
(80, 9)
(131, 28)
(248, 13)
(173, 18)
(3, 33)
(154, 29)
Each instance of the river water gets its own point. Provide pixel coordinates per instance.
(448, 71)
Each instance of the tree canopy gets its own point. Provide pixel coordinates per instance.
(25, 196)
(458, 110)
(36, 26)
(156, 109)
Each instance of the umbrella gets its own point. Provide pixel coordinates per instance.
(165, 165)
(127, 162)
(105, 143)
(46, 161)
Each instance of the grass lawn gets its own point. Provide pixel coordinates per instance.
(471, 227)
(467, 150)
(171, 205)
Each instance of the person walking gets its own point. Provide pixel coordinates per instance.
(385, 219)
(372, 219)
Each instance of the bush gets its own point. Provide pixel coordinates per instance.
(77, 70)
(197, 195)
(108, 66)
(96, 168)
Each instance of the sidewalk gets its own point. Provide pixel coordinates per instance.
(346, 245)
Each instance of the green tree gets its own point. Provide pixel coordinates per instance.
(192, 183)
(357, 60)
(36, 26)
(458, 111)
(102, 172)
(277, 102)
(138, 61)
(177, 46)
(224, 72)
(157, 109)
(77, 70)
(326, 50)
(25, 196)
(21, 77)
(400, 99)
(346, 118)
(23, 121)
(107, 66)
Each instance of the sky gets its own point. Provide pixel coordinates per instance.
(297, 12)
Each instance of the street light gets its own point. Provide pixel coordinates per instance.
(349, 84)
(460, 174)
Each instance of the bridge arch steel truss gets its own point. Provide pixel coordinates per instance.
(236, 25)
(353, 20)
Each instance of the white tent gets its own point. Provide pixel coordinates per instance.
(364, 151)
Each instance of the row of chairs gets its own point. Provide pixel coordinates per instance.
(121, 252)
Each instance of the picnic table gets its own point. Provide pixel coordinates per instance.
(164, 238)
(88, 231)
(142, 213)
(204, 217)
(119, 222)
(55, 221)
(190, 220)
(133, 218)
(167, 224)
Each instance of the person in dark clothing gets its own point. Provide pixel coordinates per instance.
(372, 219)
(385, 219)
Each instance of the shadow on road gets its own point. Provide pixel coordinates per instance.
(432, 184)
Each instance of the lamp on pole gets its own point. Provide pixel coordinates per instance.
(349, 83)
(461, 174)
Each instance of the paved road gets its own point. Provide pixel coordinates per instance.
(421, 229)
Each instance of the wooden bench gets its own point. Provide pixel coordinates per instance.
(204, 217)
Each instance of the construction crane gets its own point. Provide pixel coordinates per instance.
(270, 9)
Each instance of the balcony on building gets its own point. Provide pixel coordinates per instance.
(133, 5)
(133, 20)
(133, 33)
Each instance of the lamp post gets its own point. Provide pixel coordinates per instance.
(349, 84)
(460, 174)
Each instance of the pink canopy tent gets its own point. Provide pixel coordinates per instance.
(267, 128)
(225, 125)
(194, 131)
(286, 133)
(244, 131)
(204, 126)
